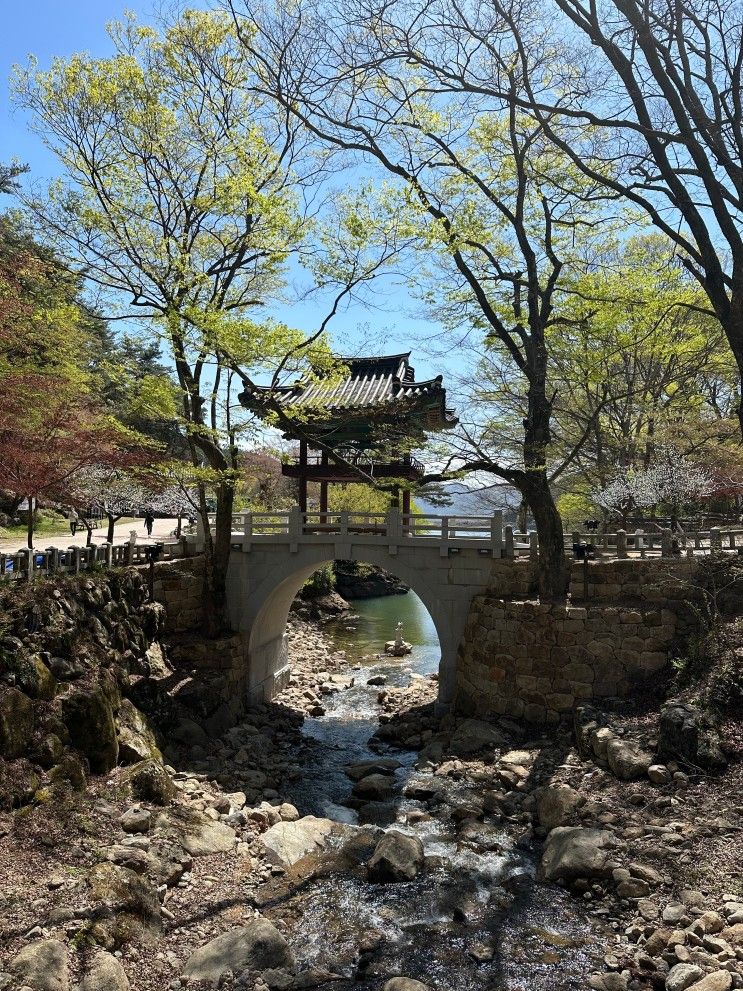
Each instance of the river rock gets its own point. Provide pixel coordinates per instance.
(287, 842)
(687, 733)
(720, 980)
(257, 946)
(682, 976)
(405, 984)
(555, 804)
(474, 734)
(136, 820)
(105, 974)
(44, 965)
(397, 857)
(659, 774)
(573, 851)
(626, 761)
(375, 787)
(16, 722)
(151, 782)
(204, 836)
(384, 765)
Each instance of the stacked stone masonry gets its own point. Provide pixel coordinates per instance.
(178, 586)
(536, 661)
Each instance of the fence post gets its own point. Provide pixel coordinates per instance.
(444, 545)
(29, 552)
(666, 544)
(621, 543)
(533, 546)
(247, 531)
(508, 541)
(108, 554)
(344, 523)
(496, 533)
(75, 559)
(715, 541)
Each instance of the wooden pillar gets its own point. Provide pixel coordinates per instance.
(406, 510)
(324, 491)
(303, 476)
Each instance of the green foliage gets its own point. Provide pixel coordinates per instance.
(322, 582)
(574, 508)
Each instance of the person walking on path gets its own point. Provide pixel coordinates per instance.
(149, 521)
(74, 519)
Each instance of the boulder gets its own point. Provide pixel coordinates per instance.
(687, 733)
(105, 974)
(70, 769)
(375, 787)
(35, 678)
(405, 984)
(626, 761)
(555, 805)
(659, 774)
(257, 946)
(44, 965)
(89, 718)
(16, 722)
(136, 739)
(125, 905)
(287, 842)
(475, 734)
(203, 836)
(151, 782)
(572, 851)
(397, 857)
(720, 980)
(136, 820)
(682, 976)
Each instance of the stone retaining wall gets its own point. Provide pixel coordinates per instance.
(178, 586)
(535, 661)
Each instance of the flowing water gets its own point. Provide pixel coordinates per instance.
(477, 893)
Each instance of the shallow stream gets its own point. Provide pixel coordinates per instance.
(477, 896)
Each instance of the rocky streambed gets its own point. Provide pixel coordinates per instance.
(344, 837)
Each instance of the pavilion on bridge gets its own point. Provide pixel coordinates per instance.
(373, 414)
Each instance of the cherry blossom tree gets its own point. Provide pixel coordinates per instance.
(115, 491)
(671, 479)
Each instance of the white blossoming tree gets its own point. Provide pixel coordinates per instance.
(671, 479)
(114, 492)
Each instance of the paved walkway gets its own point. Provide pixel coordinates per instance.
(161, 529)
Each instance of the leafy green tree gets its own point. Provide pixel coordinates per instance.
(181, 202)
(497, 221)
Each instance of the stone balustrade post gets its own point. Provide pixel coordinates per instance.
(496, 533)
(75, 559)
(715, 539)
(444, 545)
(508, 542)
(533, 546)
(621, 543)
(295, 529)
(247, 531)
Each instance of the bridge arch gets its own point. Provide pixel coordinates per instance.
(262, 586)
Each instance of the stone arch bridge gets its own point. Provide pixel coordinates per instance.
(445, 560)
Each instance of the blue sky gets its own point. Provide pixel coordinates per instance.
(46, 28)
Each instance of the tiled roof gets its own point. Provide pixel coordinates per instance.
(372, 382)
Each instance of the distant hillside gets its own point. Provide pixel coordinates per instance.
(466, 500)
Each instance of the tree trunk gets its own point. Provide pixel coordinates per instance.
(30, 523)
(553, 570)
(89, 528)
(111, 525)
(553, 565)
(216, 561)
(521, 516)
